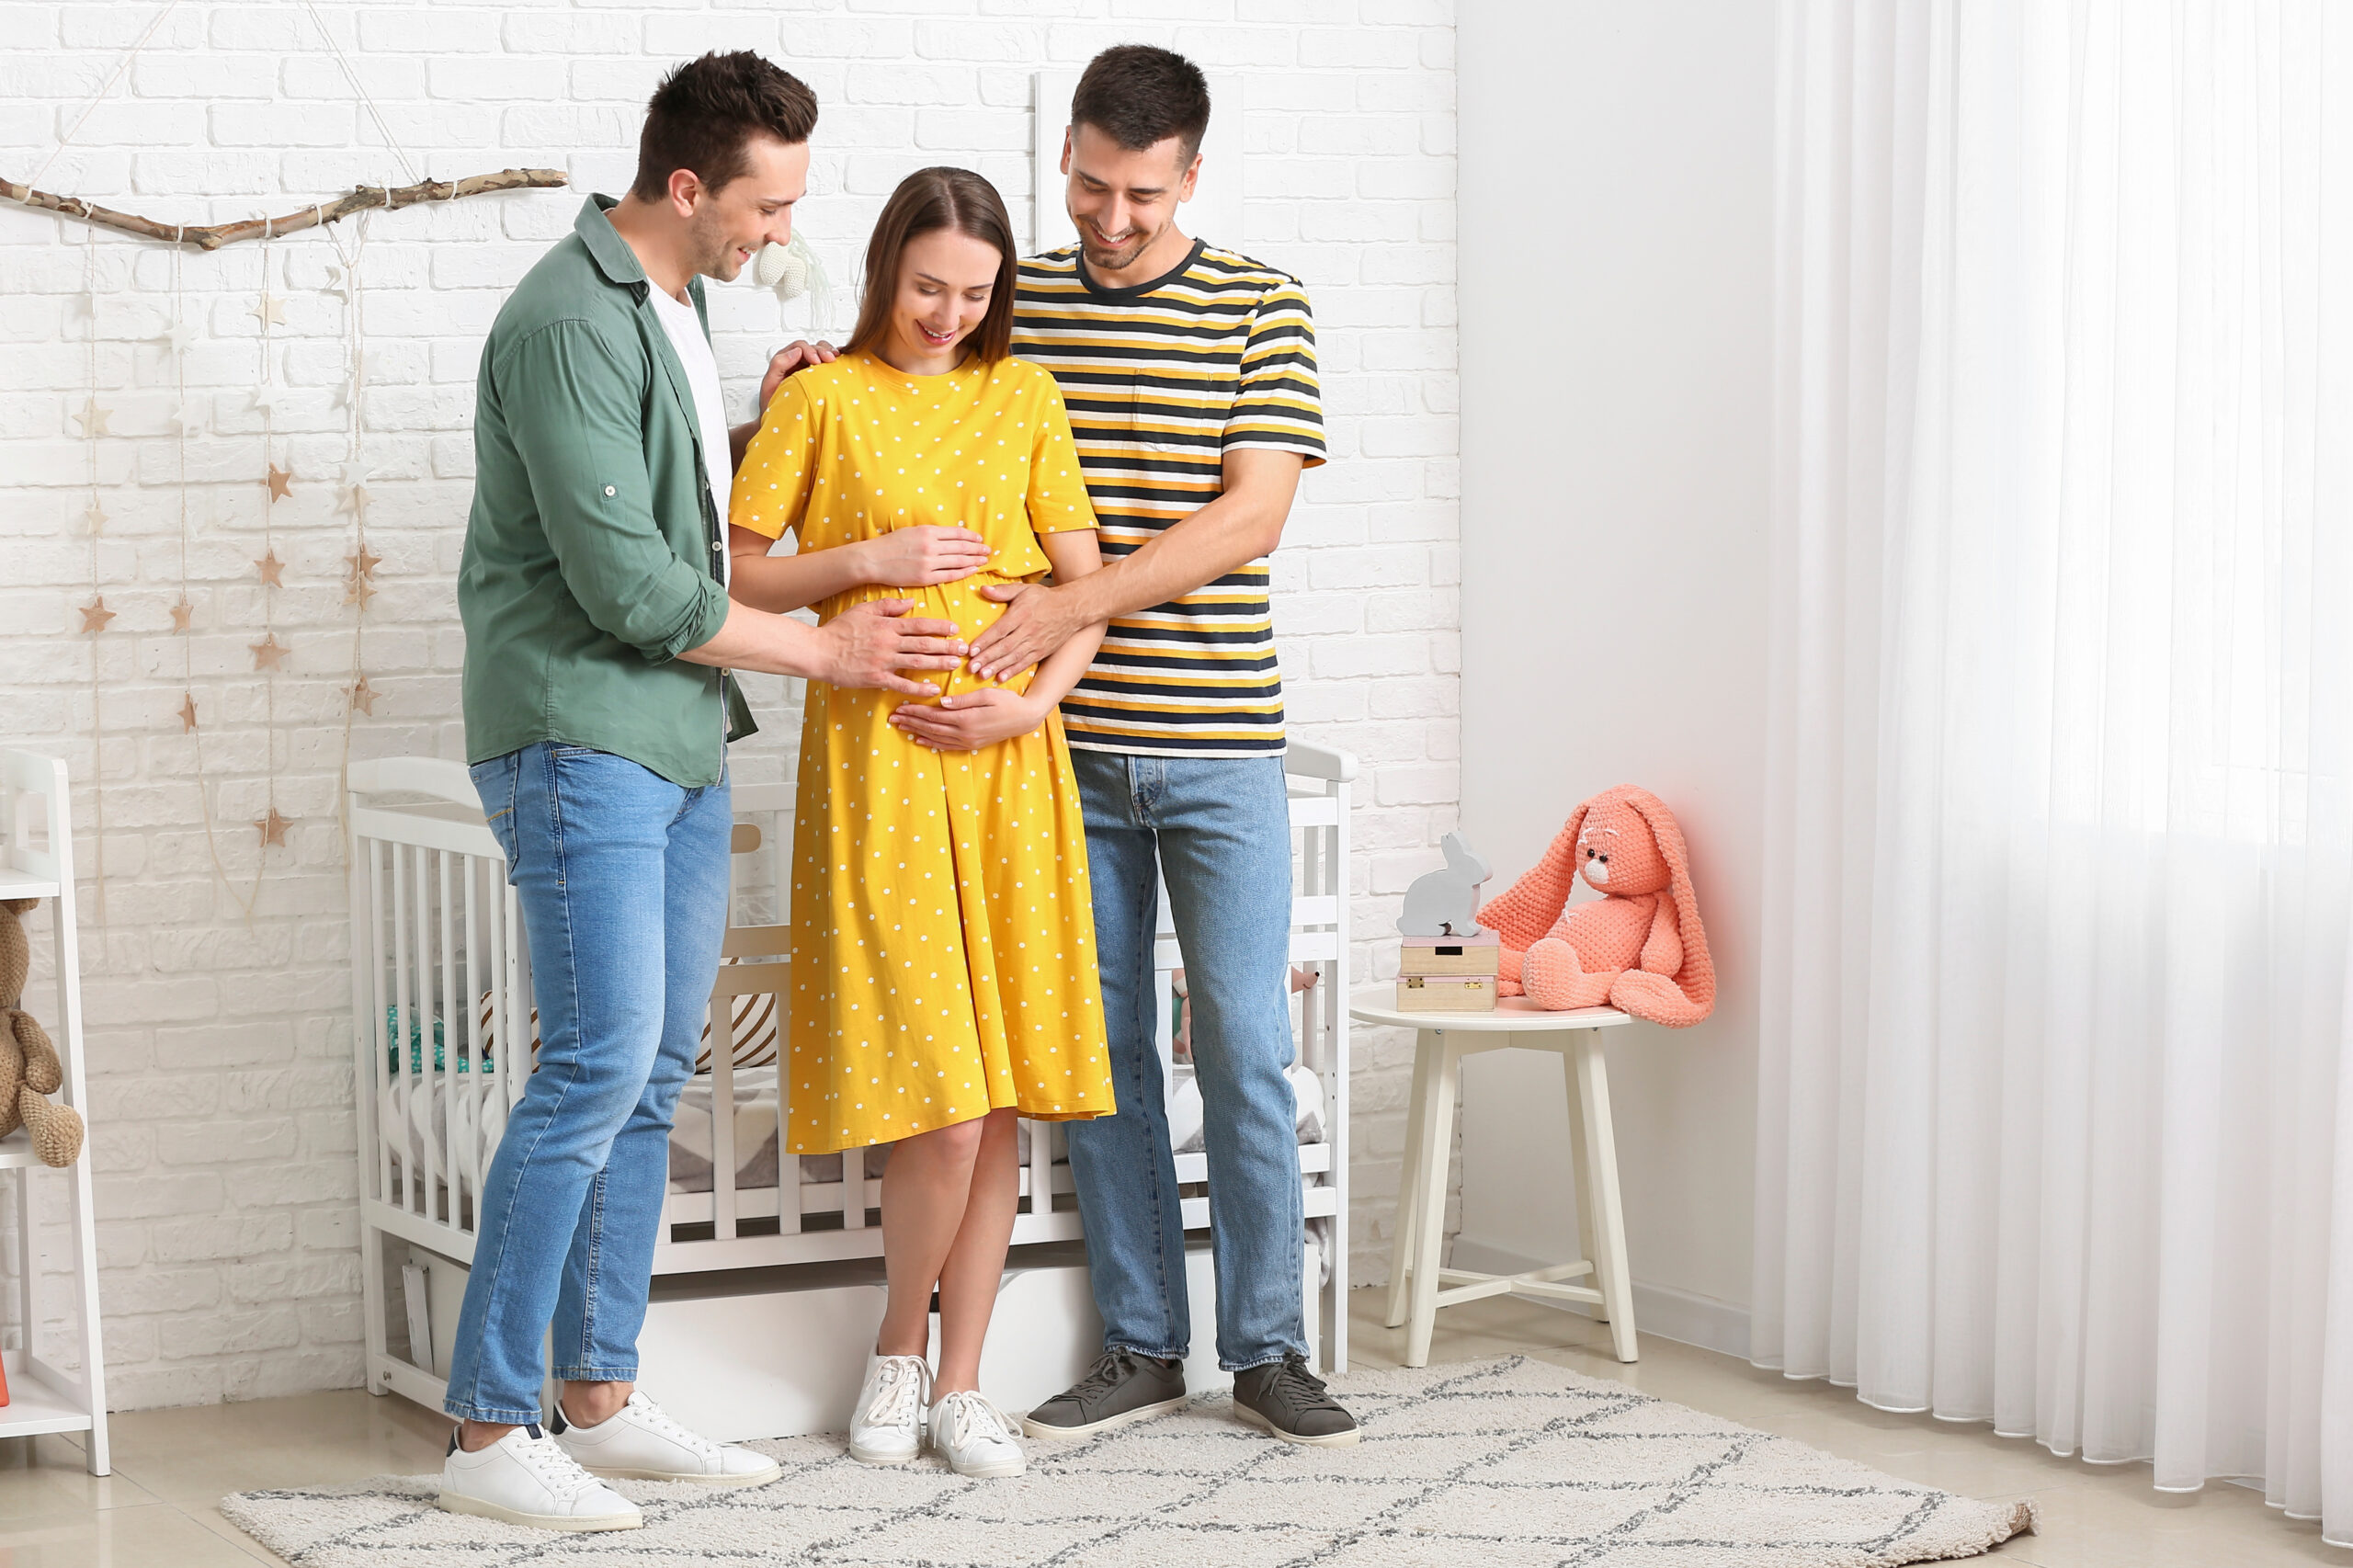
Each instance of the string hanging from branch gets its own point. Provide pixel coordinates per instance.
(212, 236)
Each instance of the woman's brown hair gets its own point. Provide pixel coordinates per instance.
(925, 200)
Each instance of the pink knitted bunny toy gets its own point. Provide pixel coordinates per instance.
(1639, 949)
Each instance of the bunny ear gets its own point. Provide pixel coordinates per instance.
(1698, 978)
(1523, 913)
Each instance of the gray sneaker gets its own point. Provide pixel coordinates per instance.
(1120, 1387)
(1286, 1399)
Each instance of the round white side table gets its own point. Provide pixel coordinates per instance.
(1417, 1285)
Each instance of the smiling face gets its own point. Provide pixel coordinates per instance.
(946, 280)
(1123, 201)
(725, 228)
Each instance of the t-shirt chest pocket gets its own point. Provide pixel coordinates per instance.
(1179, 414)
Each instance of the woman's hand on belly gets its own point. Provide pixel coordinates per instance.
(923, 556)
(971, 720)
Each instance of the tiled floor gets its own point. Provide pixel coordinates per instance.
(172, 1466)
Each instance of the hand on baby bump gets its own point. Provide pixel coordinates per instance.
(924, 556)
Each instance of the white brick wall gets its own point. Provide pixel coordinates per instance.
(219, 1044)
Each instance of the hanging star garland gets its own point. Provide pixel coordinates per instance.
(187, 711)
(179, 334)
(95, 615)
(272, 569)
(272, 827)
(358, 591)
(281, 483)
(338, 283)
(270, 311)
(268, 398)
(364, 562)
(182, 613)
(185, 419)
(269, 653)
(93, 417)
(94, 516)
(363, 696)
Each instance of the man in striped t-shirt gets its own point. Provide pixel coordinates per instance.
(1189, 374)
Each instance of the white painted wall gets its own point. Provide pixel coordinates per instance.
(220, 1073)
(1616, 343)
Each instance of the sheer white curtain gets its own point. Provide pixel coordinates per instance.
(2057, 1103)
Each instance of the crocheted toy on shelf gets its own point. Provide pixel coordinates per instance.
(29, 1070)
(1639, 947)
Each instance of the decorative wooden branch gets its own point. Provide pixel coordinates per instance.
(212, 236)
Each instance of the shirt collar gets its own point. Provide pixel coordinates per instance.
(606, 247)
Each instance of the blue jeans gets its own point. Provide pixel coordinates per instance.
(622, 878)
(1218, 831)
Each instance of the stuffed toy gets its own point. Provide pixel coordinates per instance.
(1639, 947)
(29, 1065)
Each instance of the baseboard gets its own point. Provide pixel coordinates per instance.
(1679, 1316)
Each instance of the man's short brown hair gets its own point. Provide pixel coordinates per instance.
(705, 112)
(1138, 95)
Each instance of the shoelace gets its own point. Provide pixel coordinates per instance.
(1318, 1393)
(544, 1458)
(1108, 1371)
(970, 1416)
(898, 1391)
(662, 1421)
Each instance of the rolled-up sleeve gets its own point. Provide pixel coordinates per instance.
(574, 411)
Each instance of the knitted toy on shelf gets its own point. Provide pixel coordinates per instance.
(1639, 947)
(29, 1065)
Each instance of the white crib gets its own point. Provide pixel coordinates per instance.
(441, 982)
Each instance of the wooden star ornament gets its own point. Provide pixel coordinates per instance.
(182, 613)
(95, 615)
(269, 653)
(358, 591)
(272, 569)
(272, 827)
(281, 483)
(93, 418)
(94, 516)
(363, 696)
(364, 562)
(268, 311)
(187, 711)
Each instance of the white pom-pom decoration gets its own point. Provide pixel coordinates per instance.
(778, 267)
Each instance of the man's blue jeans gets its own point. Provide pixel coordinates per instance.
(1218, 830)
(623, 878)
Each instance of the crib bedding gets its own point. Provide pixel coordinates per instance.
(417, 1102)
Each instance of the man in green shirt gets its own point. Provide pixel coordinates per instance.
(597, 703)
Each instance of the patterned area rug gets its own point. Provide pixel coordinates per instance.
(1494, 1463)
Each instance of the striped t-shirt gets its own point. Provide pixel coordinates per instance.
(1162, 380)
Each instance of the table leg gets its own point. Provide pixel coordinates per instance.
(1589, 1212)
(1427, 1048)
(1601, 1173)
(1436, 1123)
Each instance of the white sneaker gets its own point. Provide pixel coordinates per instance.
(525, 1479)
(886, 1427)
(974, 1437)
(641, 1442)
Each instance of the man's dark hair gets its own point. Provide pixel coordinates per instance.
(706, 111)
(1138, 95)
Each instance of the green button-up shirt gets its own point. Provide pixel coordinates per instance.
(593, 553)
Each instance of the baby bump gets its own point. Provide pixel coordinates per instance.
(959, 602)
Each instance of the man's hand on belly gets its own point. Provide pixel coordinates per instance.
(1037, 621)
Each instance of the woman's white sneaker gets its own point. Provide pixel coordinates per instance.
(525, 1479)
(641, 1442)
(886, 1427)
(974, 1437)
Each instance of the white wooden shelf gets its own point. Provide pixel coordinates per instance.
(24, 884)
(34, 1407)
(37, 861)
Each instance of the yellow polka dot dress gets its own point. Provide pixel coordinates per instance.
(943, 953)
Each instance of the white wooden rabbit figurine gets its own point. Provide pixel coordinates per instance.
(1446, 904)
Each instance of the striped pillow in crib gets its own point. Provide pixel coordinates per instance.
(754, 1030)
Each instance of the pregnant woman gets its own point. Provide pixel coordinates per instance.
(944, 979)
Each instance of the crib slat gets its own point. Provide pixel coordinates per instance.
(420, 1064)
(722, 1114)
(450, 1022)
(471, 1044)
(401, 1019)
(372, 953)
